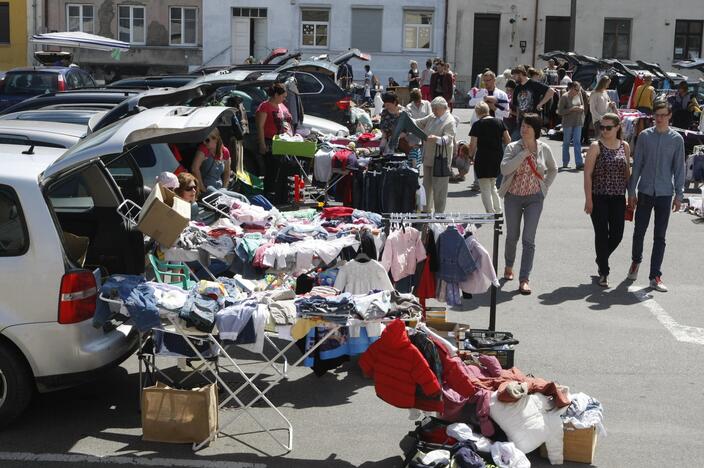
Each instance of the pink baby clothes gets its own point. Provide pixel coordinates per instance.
(402, 252)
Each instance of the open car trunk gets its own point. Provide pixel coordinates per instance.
(84, 204)
(86, 184)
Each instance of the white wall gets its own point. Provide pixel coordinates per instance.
(652, 39)
(284, 31)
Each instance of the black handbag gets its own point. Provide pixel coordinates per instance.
(440, 166)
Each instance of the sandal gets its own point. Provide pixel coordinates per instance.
(524, 288)
(508, 274)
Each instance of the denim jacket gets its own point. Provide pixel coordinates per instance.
(455, 261)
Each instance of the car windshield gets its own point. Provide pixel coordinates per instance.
(30, 82)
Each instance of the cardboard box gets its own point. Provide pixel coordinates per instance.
(579, 445)
(449, 330)
(164, 216)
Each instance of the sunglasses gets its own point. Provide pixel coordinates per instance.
(191, 188)
(607, 127)
(209, 139)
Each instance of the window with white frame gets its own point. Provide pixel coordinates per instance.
(417, 29)
(131, 24)
(183, 24)
(315, 26)
(79, 18)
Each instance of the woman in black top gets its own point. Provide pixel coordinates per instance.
(487, 137)
(413, 76)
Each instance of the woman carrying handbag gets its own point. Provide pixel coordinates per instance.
(529, 169)
(437, 153)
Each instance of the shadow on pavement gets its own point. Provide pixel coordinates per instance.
(600, 298)
(463, 194)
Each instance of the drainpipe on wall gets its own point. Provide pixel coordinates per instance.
(444, 34)
(535, 30)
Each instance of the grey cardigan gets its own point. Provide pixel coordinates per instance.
(514, 155)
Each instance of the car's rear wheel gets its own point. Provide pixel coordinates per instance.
(16, 387)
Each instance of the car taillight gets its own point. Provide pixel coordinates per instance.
(61, 86)
(343, 104)
(77, 297)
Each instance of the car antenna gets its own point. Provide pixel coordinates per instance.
(29, 151)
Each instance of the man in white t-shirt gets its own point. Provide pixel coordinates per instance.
(563, 77)
(496, 99)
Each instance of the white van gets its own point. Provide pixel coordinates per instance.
(58, 227)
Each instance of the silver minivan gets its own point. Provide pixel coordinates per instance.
(49, 198)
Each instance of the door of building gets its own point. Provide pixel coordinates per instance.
(485, 53)
(259, 45)
(240, 39)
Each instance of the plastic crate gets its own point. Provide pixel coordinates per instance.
(304, 149)
(505, 356)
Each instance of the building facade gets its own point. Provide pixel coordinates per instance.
(13, 34)
(165, 35)
(393, 32)
(500, 35)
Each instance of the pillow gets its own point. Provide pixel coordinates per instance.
(529, 423)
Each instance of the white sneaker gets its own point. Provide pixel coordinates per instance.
(604, 281)
(657, 284)
(633, 271)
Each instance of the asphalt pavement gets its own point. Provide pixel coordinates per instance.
(638, 352)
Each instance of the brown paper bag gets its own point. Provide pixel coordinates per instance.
(179, 416)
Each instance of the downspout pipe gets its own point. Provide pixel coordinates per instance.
(444, 34)
(535, 30)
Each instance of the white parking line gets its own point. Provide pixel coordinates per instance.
(120, 460)
(683, 333)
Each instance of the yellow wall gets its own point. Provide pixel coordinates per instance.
(15, 54)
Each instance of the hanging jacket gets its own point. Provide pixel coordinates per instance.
(455, 262)
(398, 367)
(484, 276)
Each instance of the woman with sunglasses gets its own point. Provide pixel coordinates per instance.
(211, 165)
(606, 174)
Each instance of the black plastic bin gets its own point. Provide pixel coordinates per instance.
(481, 339)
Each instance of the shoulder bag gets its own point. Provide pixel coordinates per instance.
(440, 166)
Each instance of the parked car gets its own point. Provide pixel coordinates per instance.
(152, 159)
(70, 116)
(151, 82)
(19, 84)
(92, 99)
(33, 133)
(274, 60)
(47, 198)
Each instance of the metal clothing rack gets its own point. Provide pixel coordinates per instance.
(496, 219)
(213, 369)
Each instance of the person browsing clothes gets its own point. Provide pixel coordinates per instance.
(272, 118)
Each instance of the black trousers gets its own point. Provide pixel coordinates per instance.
(607, 219)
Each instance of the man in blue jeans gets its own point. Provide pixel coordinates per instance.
(658, 172)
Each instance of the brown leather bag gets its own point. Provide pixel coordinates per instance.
(403, 146)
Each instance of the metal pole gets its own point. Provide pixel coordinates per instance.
(573, 22)
(495, 260)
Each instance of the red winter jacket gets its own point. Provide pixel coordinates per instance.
(397, 367)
